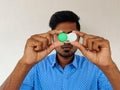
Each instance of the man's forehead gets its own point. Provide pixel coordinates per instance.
(66, 26)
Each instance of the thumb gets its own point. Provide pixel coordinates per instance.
(80, 46)
(48, 50)
(53, 46)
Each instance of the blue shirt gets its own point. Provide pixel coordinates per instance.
(81, 74)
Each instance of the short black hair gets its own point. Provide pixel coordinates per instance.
(64, 16)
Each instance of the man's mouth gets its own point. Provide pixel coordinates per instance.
(66, 47)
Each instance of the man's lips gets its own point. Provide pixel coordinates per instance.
(67, 46)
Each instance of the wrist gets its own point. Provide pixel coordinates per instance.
(26, 63)
(109, 68)
(113, 74)
(107, 64)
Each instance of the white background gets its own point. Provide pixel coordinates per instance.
(19, 19)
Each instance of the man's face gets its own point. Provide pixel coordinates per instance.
(67, 50)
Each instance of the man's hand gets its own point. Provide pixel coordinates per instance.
(39, 46)
(96, 49)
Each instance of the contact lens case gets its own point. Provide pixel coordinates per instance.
(70, 37)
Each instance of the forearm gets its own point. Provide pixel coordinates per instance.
(14, 81)
(113, 74)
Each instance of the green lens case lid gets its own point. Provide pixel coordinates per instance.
(62, 37)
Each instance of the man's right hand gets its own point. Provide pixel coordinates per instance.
(39, 46)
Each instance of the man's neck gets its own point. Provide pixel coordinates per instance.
(63, 61)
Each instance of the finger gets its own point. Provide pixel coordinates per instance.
(48, 36)
(55, 38)
(53, 46)
(43, 40)
(54, 34)
(85, 42)
(96, 46)
(80, 46)
(56, 44)
(81, 34)
(49, 50)
(84, 37)
(34, 44)
(89, 44)
(88, 40)
(100, 44)
(92, 43)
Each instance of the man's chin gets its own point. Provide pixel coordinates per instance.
(65, 55)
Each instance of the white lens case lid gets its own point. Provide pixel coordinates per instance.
(71, 37)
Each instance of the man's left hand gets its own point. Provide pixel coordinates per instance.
(95, 48)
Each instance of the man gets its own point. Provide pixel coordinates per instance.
(64, 70)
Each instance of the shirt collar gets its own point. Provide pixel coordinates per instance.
(54, 62)
(74, 63)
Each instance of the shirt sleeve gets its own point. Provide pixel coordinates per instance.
(28, 81)
(26, 87)
(104, 83)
